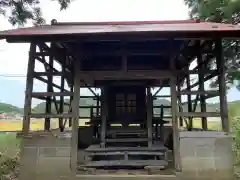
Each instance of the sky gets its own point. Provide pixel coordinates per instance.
(14, 57)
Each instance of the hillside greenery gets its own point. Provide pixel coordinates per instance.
(8, 108)
(211, 107)
(40, 108)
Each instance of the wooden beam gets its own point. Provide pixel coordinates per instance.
(203, 106)
(180, 108)
(29, 89)
(137, 74)
(61, 106)
(46, 64)
(45, 81)
(189, 101)
(51, 73)
(149, 117)
(75, 120)
(104, 112)
(210, 76)
(196, 92)
(49, 68)
(222, 85)
(198, 114)
(49, 116)
(51, 94)
(176, 143)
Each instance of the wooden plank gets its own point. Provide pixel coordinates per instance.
(29, 89)
(196, 92)
(64, 115)
(133, 163)
(112, 153)
(49, 94)
(122, 140)
(222, 85)
(36, 74)
(198, 114)
(94, 148)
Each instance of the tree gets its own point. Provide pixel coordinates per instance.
(225, 11)
(19, 12)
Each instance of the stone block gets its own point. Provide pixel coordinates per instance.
(28, 163)
(53, 165)
(206, 155)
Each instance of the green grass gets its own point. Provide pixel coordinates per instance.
(9, 144)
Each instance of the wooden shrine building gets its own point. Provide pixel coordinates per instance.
(126, 61)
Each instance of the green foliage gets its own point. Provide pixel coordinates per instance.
(23, 10)
(8, 108)
(9, 149)
(220, 11)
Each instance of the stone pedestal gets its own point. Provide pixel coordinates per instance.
(46, 155)
(206, 155)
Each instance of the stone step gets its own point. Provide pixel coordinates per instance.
(127, 163)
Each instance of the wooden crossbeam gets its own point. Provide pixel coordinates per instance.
(53, 94)
(63, 115)
(196, 92)
(198, 114)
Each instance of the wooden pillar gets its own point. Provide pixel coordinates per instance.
(104, 109)
(61, 105)
(189, 101)
(176, 143)
(75, 116)
(48, 109)
(149, 116)
(201, 88)
(29, 89)
(180, 108)
(162, 124)
(70, 102)
(222, 87)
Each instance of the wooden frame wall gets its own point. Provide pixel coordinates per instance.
(74, 75)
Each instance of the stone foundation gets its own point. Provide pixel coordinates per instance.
(45, 155)
(206, 155)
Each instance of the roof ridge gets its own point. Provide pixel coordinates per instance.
(126, 22)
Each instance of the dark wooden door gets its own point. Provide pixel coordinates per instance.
(127, 104)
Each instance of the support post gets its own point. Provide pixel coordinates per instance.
(201, 88)
(71, 100)
(75, 115)
(49, 89)
(222, 87)
(180, 108)
(104, 117)
(189, 101)
(29, 89)
(61, 105)
(176, 143)
(149, 116)
(162, 124)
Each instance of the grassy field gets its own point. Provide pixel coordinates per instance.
(38, 124)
